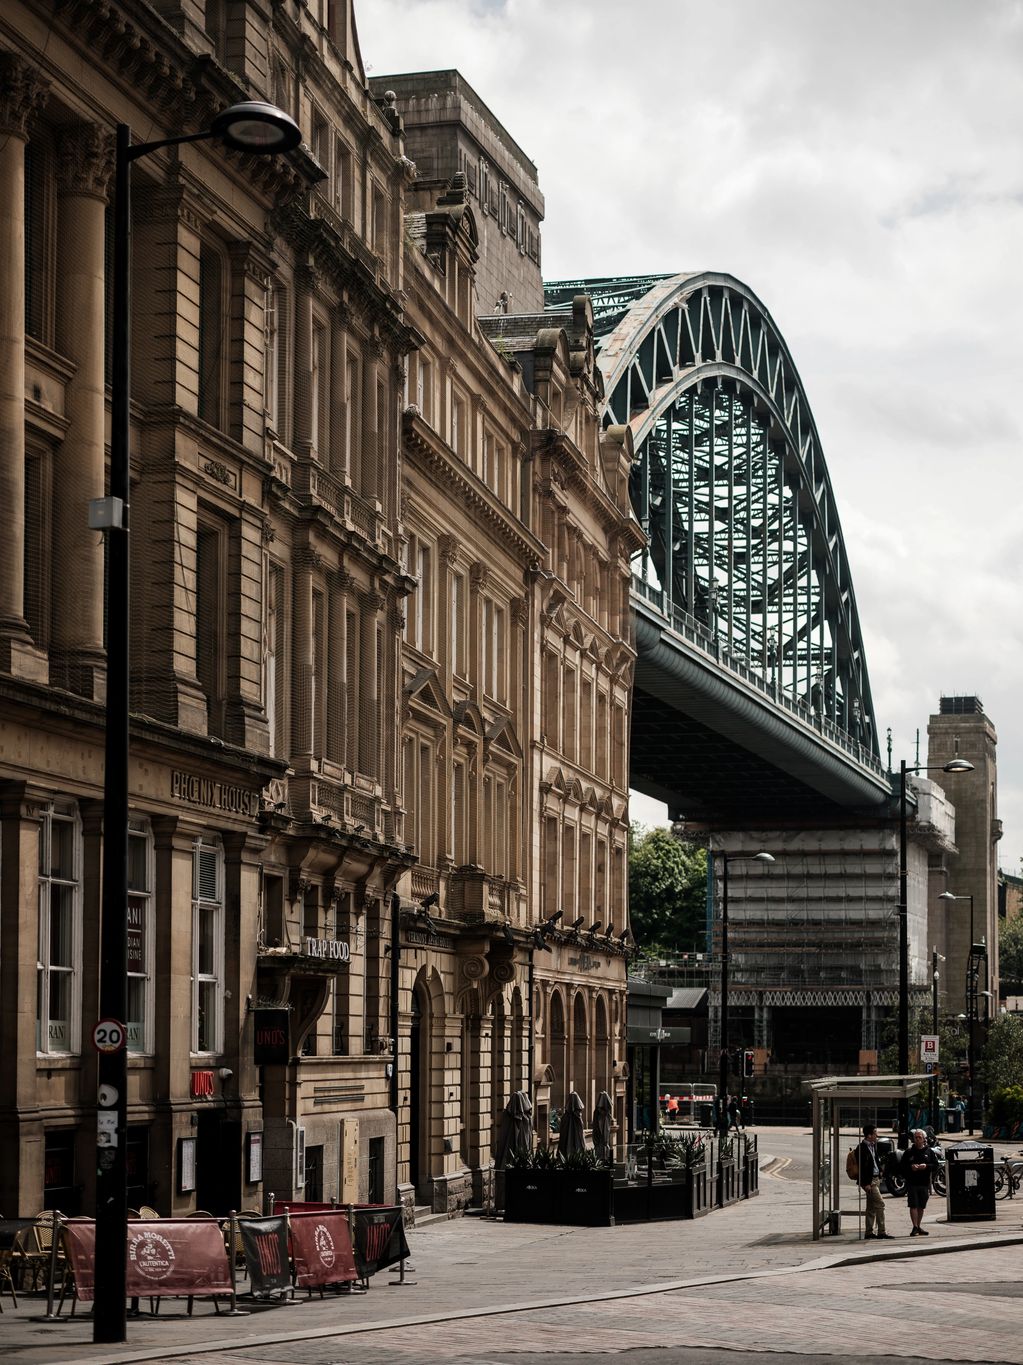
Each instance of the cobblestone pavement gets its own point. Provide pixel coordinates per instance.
(745, 1279)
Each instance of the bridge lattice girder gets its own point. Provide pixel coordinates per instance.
(730, 484)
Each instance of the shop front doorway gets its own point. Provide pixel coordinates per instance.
(218, 1164)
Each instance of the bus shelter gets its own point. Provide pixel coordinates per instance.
(858, 1098)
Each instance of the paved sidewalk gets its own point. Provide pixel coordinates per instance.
(479, 1280)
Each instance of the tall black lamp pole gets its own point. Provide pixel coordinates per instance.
(260, 130)
(971, 998)
(936, 957)
(723, 1061)
(955, 765)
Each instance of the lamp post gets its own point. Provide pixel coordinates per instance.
(971, 997)
(936, 957)
(260, 130)
(725, 860)
(955, 765)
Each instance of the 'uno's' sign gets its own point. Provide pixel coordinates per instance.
(270, 1038)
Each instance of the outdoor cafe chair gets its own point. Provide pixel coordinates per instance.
(33, 1251)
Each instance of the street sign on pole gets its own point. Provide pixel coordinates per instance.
(929, 1047)
(109, 1035)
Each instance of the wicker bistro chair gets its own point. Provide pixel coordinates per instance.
(147, 1213)
(238, 1250)
(33, 1252)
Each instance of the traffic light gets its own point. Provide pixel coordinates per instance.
(747, 1062)
(736, 1061)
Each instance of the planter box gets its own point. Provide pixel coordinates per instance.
(532, 1196)
(574, 1198)
(586, 1199)
(727, 1191)
(751, 1175)
(698, 1185)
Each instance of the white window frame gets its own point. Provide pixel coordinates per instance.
(207, 843)
(64, 812)
(140, 828)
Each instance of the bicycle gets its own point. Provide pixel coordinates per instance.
(1008, 1178)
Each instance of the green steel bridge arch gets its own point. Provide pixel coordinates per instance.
(745, 562)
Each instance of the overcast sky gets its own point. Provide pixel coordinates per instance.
(860, 167)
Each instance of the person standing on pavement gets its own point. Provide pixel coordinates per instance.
(870, 1184)
(721, 1115)
(734, 1112)
(919, 1167)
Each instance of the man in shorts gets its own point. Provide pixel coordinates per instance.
(919, 1166)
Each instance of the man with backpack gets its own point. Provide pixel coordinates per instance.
(869, 1180)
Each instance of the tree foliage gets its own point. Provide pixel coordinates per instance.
(667, 891)
(1010, 949)
(952, 1043)
(1002, 1060)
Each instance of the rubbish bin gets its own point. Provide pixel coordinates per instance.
(970, 1170)
(953, 1121)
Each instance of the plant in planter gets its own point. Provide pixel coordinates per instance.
(693, 1151)
(586, 1160)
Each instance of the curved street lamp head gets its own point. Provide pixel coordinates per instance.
(951, 896)
(257, 128)
(763, 858)
(957, 765)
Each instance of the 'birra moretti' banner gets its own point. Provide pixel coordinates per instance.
(321, 1248)
(265, 1243)
(169, 1256)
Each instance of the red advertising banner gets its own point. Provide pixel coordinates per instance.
(167, 1256)
(321, 1248)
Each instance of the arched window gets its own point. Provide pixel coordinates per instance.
(580, 1080)
(558, 1051)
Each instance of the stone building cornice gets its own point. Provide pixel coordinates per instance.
(421, 441)
(157, 68)
(330, 245)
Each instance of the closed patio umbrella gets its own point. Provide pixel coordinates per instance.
(602, 1127)
(570, 1136)
(516, 1133)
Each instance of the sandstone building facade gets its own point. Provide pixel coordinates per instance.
(379, 636)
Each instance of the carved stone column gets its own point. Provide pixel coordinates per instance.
(84, 169)
(22, 92)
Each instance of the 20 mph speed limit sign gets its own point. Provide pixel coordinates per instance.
(109, 1036)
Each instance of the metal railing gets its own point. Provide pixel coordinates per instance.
(694, 631)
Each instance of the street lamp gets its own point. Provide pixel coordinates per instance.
(725, 860)
(936, 957)
(260, 130)
(955, 765)
(971, 997)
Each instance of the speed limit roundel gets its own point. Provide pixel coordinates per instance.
(108, 1035)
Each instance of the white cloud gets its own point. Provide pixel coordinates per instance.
(860, 167)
